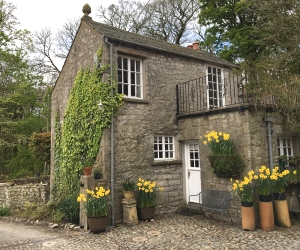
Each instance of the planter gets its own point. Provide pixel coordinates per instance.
(248, 216)
(266, 213)
(228, 166)
(146, 213)
(87, 171)
(97, 224)
(128, 195)
(281, 210)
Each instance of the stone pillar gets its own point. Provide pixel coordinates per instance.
(129, 212)
(86, 182)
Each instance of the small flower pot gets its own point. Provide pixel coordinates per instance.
(128, 195)
(87, 171)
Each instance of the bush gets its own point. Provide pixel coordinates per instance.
(4, 211)
(230, 166)
(69, 207)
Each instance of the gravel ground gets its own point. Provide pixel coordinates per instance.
(170, 231)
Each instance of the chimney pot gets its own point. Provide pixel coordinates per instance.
(196, 45)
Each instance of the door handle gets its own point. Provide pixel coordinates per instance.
(189, 173)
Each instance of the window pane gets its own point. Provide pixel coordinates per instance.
(132, 65)
(125, 77)
(125, 64)
(138, 90)
(133, 90)
(132, 78)
(125, 86)
(138, 79)
(138, 66)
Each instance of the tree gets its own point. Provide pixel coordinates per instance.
(52, 49)
(169, 20)
(264, 37)
(20, 109)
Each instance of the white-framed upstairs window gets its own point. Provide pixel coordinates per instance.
(130, 82)
(285, 147)
(164, 148)
(215, 87)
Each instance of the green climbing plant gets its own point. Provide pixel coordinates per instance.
(84, 123)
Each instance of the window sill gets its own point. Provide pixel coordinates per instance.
(135, 100)
(158, 163)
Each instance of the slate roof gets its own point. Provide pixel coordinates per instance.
(148, 42)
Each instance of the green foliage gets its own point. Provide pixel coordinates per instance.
(83, 125)
(4, 211)
(97, 174)
(227, 166)
(69, 207)
(23, 164)
(244, 188)
(128, 185)
(147, 192)
(41, 144)
(96, 203)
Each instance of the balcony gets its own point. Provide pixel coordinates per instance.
(212, 94)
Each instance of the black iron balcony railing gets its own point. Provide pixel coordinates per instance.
(210, 93)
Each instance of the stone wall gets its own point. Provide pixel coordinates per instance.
(16, 196)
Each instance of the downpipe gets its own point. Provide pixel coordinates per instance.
(112, 166)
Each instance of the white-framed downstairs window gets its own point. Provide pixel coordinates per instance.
(130, 82)
(215, 87)
(164, 148)
(285, 147)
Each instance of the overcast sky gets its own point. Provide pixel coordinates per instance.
(35, 15)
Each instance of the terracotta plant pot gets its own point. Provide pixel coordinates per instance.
(248, 216)
(87, 171)
(266, 213)
(128, 195)
(281, 210)
(97, 224)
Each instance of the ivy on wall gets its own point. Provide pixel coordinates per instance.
(83, 125)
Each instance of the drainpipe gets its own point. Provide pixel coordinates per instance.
(111, 140)
(268, 120)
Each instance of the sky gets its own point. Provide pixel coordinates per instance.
(35, 15)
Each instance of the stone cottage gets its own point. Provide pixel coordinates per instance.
(172, 95)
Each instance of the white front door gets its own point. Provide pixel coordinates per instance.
(192, 169)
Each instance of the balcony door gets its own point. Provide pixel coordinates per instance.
(215, 88)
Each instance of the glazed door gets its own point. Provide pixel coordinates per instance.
(192, 170)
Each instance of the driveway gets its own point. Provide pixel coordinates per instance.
(173, 231)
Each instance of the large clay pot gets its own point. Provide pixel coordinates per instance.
(146, 213)
(97, 224)
(248, 216)
(128, 195)
(281, 210)
(266, 213)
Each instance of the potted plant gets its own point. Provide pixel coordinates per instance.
(128, 189)
(265, 182)
(97, 174)
(244, 189)
(147, 191)
(96, 207)
(280, 202)
(87, 166)
(225, 162)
